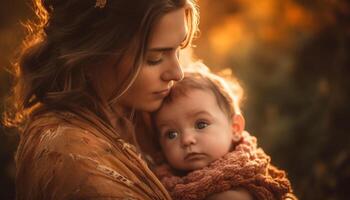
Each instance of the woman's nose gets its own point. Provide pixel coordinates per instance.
(174, 71)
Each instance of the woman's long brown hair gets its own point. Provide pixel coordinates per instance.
(70, 36)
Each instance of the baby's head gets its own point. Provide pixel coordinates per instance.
(199, 121)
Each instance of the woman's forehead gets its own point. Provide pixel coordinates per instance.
(169, 32)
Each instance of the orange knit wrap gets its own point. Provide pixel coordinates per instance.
(245, 167)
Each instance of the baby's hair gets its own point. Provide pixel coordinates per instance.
(227, 91)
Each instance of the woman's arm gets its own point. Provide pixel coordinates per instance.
(70, 163)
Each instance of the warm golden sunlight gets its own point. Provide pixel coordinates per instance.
(291, 58)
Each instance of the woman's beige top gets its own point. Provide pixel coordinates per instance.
(68, 156)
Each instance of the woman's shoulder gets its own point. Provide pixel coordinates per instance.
(54, 134)
(69, 139)
(66, 159)
(68, 162)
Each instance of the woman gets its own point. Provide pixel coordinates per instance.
(85, 68)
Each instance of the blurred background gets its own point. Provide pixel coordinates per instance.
(292, 58)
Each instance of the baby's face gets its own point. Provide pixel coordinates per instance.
(194, 131)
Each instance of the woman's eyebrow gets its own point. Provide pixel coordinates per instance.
(162, 49)
(167, 48)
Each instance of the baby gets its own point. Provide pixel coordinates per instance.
(201, 133)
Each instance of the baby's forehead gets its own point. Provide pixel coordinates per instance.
(184, 95)
(176, 96)
(170, 104)
(190, 103)
(184, 92)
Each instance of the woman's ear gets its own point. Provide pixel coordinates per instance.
(238, 124)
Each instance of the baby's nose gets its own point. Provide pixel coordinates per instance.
(188, 139)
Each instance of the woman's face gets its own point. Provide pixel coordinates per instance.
(161, 65)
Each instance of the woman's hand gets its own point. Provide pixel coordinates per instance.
(232, 195)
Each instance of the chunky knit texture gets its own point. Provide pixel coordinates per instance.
(245, 167)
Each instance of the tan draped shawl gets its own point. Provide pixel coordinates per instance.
(62, 155)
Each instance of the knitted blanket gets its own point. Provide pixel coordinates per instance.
(245, 167)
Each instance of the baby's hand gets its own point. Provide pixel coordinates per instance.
(231, 195)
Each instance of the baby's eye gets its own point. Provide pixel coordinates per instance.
(201, 124)
(171, 135)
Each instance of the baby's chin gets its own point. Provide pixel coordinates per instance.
(195, 165)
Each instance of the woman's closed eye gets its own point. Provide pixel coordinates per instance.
(154, 62)
(201, 124)
(154, 58)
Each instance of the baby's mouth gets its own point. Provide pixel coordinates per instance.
(194, 156)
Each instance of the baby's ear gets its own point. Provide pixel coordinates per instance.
(238, 125)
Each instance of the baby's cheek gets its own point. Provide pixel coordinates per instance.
(168, 151)
(219, 150)
(174, 157)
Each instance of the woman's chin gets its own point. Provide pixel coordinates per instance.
(150, 106)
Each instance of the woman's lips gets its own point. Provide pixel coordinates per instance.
(162, 94)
